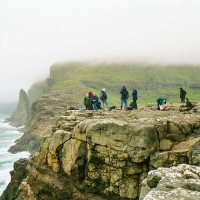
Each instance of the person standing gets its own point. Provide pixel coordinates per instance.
(134, 98)
(87, 101)
(95, 100)
(124, 97)
(182, 95)
(103, 98)
(90, 97)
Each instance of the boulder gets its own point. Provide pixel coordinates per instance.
(180, 182)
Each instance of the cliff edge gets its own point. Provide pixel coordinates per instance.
(107, 155)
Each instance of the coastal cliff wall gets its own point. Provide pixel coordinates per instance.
(42, 115)
(107, 155)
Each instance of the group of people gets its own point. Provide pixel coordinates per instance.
(185, 106)
(124, 98)
(94, 102)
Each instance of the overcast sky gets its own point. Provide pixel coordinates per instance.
(34, 34)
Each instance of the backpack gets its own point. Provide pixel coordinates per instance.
(102, 96)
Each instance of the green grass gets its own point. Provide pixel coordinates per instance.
(151, 81)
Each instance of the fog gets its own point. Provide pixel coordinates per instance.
(34, 34)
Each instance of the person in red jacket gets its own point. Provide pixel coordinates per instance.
(91, 98)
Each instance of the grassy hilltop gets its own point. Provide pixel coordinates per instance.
(151, 81)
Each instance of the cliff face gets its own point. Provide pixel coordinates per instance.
(37, 90)
(19, 117)
(107, 155)
(42, 115)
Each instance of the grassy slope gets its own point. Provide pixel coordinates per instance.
(151, 81)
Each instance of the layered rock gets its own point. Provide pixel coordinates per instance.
(19, 117)
(107, 155)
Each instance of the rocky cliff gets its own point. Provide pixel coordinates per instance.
(42, 115)
(106, 155)
(19, 117)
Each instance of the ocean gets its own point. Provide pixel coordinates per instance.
(8, 136)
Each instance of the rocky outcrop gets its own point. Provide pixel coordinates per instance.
(42, 115)
(17, 175)
(19, 117)
(107, 155)
(181, 182)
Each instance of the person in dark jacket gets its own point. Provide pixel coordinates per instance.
(124, 97)
(134, 98)
(188, 106)
(131, 106)
(160, 103)
(182, 95)
(70, 107)
(87, 101)
(103, 98)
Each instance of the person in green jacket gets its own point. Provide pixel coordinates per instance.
(160, 103)
(87, 101)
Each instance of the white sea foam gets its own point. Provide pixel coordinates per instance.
(8, 136)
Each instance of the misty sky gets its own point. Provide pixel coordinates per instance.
(34, 34)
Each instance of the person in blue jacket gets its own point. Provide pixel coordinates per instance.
(124, 97)
(95, 100)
